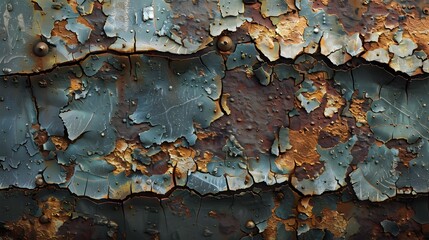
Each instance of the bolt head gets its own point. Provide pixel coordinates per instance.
(225, 43)
(41, 49)
(250, 224)
(39, 181)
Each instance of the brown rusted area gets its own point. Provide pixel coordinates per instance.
(177, 206)
(359, 108)
(257, 112)
(46, 226)
(121, 157)
(319, 81)
(356, 16)
(40, 136)
(59, 30)
(60, 143)
(203, 159)
(304, 143)
(334, 133)
(290, 224)
(84, 228)
(195, 21)
(417, 29)
(351, 13)
(402, 145)
(253, 11)
(183, 161)
(369, 216)
(308, 170)
(339, 128)
(333, 221)
(96, 21)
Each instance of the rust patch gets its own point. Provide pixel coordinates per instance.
(404, 154)
(40, 136)
(357, 109)
(203, 160)
(333, 221)
(60, 143)
(59, 30)
(309, 171)
(304, 145)
(271, 230)
(44, 227)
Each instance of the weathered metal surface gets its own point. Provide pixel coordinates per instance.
(214, 119)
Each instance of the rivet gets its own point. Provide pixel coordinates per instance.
(250, 224)
(426, 10)
(41, 49)
(225, 43)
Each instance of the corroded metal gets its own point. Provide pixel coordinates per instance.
(271, 120)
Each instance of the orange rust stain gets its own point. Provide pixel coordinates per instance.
(59, 30)
(32, 228)
(201, 135)
(183, 161)
(418, 31)
(121, 157)
(202, 161)
(333, 221)
(339, 129)
(75, 85)
(357, 111)
(271, 230)
(60, 143)
(304, 145)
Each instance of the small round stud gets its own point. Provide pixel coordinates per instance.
(250, 224)
(225, 43)
(41, 49)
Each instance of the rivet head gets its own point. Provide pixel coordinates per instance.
(225, 43)
(426, 10)
(41, 49)
(39, 181)
(250, 224)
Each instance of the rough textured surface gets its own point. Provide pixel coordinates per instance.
(122, 120)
